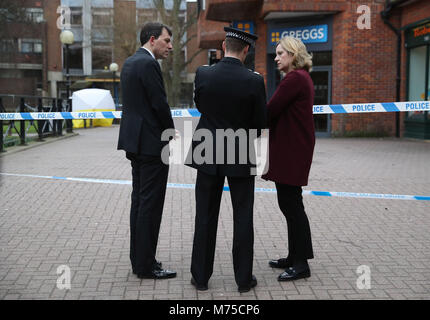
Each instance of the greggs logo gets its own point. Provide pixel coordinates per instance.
(421, 31)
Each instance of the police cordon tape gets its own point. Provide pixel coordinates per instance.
(191, 113)
(226, 188)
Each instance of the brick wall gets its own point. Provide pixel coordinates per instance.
(193, 45)
(53, 44)
(364, 61)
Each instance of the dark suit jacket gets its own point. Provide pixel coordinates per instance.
(228, 96)
(292, 131)
(146, 113)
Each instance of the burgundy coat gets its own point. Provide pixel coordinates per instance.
(292, 130)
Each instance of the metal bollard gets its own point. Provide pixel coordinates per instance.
(54, 123)
(40, 123)
(1, 126)
(22, 123)
(60, 122)
(69, 122)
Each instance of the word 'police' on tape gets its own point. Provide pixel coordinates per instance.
(190, 113)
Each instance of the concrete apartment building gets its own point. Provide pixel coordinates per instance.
(105, 31)
(387, 61)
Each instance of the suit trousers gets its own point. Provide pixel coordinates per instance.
(208, 191)
(290, 202)
(147, 201)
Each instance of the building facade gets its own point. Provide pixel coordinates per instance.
(32, 59)
(363, 52)
(27, 63)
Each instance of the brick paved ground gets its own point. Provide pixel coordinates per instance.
(47, 223)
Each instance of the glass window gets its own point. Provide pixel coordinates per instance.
(75, 56)
(144, 16)
(38, 48)
(76, 16)
(31, 46)
(26, 47)
(101, 57)
(102, 18)
(35, 14)
(7, 46)
(417, 77)
(321, 58)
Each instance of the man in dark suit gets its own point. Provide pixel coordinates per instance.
(145, 116)
(231, 98)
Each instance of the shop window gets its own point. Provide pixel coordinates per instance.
(417, 78)
(321, 58)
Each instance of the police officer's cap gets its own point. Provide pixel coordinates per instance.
(235, 33)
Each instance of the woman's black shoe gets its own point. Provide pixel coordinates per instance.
(282, 263)
(292, 273)
(157, 274)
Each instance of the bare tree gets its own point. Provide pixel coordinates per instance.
(174, 66)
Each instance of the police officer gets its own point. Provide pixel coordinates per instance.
(231, 99)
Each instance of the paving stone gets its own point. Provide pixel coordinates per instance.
(46, 223)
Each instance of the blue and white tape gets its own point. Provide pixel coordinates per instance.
(191, 113)
(226, 188)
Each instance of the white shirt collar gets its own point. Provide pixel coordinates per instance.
(150, 52)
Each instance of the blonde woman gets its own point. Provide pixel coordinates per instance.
(291, 146)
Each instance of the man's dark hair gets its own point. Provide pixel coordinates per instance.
(152, 29)
(235, 45)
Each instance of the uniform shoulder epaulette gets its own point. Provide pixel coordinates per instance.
(255, 72)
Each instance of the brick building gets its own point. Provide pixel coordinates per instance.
(353, 63)
(27, 62)
(105, 31)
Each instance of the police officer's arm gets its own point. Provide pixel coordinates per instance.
(260, 110)
(153, 82)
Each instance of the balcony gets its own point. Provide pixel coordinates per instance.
(211, 34)
(233, 10)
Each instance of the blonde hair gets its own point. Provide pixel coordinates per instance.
(302, 58)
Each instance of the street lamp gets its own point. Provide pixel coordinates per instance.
(114, 68)
(67, 38)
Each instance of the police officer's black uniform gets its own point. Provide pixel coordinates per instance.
(229, 96)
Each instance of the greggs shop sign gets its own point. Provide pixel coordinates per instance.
(418, 35)
(308, 34)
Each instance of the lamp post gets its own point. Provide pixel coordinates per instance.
(67, 38)
(114, 68)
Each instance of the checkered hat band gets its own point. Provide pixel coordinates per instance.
(238, 36)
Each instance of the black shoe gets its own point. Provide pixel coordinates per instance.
(157, 274)
(282, 263)
(253, 283)
(293, 273)
(157, 265)
(200, 287)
